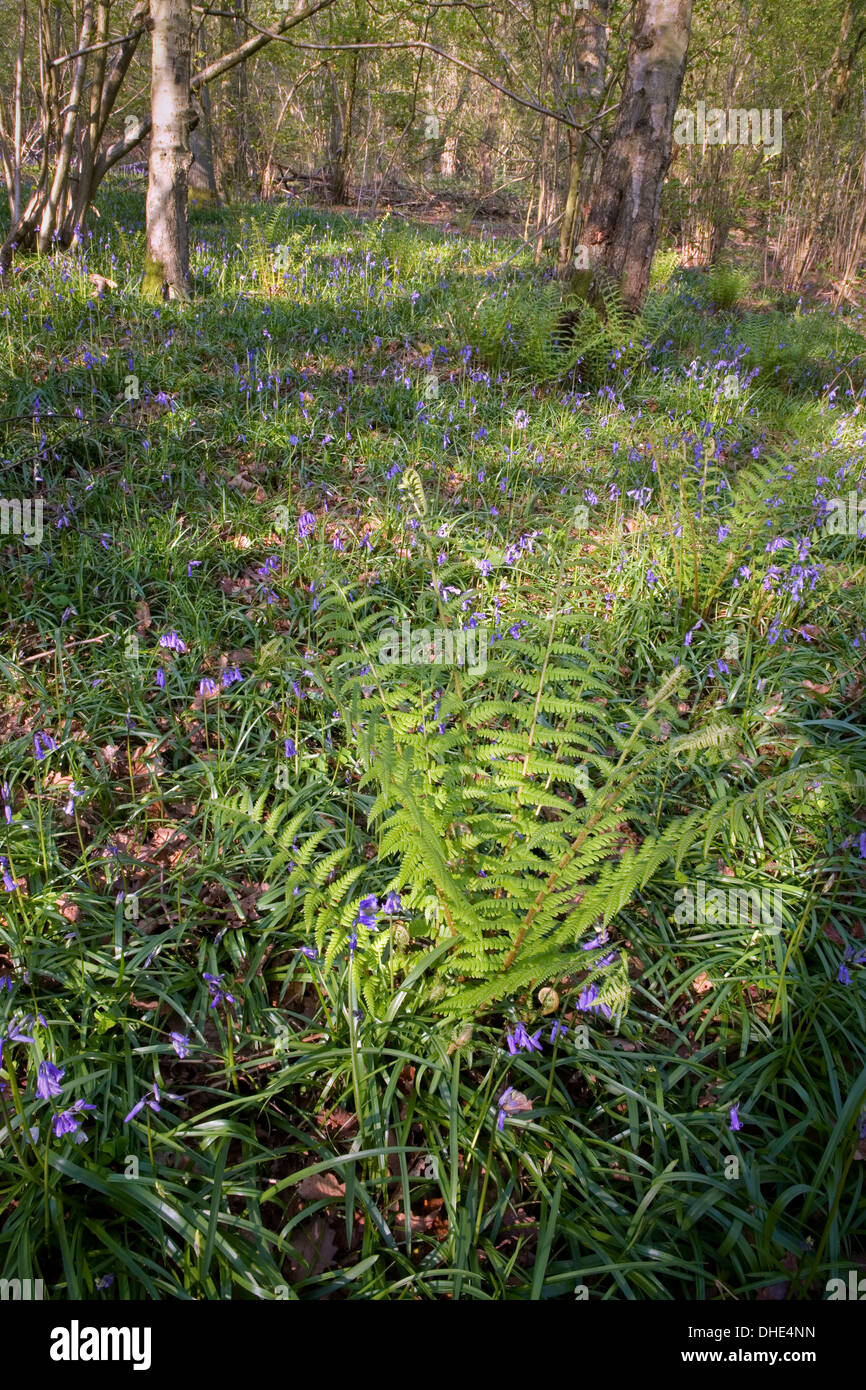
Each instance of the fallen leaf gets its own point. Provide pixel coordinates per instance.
(321, 1186)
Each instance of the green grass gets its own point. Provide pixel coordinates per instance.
(333, 1131)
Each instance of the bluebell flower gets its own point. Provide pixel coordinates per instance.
(160, 677)
(589, 1002)
(151, 1101)
(310, 952)
(366, 914)
(104, 1282)
(173, 642)
(14, 1030)
(843, 974)
(67, 1122)
(8, 881)
(392, 904)
(306, 525)
(229, 676)
(218, 994)
(181, 1044)
(48, 1079)
(522, 1041)
(511, 1102)
(207, 687)
(558, 1030)
(289, 746)
(736, 1122)
(5, 795)
(193, 564)
(521, 419)
(43, 743)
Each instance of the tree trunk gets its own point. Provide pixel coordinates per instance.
(490, 143)
(448, 161)
(202, 177)
(54, 207)
(167, 261)
(622, 228)
(590, 60)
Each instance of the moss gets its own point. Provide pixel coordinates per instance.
(154, 278)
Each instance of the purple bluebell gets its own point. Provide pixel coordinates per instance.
(589, 1002)
(43, 743)
(14, 1029)
(218, 994)
(736, 1122)
(306, 525)
(173, 642)
(392, 905)
(152, 1101)
(180, 1043)
(558, 1030)
(8, 881)
(511, 1102)
(366, 914)
(67, 1122)
(160, 678)
(207, 687)
(48, 1079)
(520, 1040)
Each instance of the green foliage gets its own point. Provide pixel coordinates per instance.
(673, 699)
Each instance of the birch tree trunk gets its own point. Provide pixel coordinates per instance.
(622, 228)
(590, 61)
(167, 260)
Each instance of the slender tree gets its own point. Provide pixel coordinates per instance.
(622, 227)
(167, 261)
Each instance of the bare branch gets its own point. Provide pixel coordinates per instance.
(94, 47)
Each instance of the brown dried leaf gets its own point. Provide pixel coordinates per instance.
(321, 1186)
(315, 1247)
